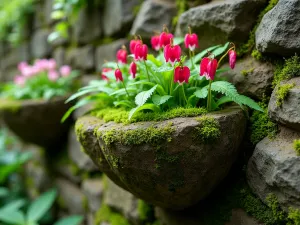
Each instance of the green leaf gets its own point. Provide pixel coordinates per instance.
(159, 88)
(223, 100)
(12, 217)
(142, 97)
(125, 103)
(71, 220)
(122, 91)
(249, 102)
(3, 192)
(178, 40)
(13, 206)
(220, 50)
(41, 205)
(151, 58)
(110, 65)
(159, 100)
(148, 106)
(161, 69)
(200, 55)
(201, 92)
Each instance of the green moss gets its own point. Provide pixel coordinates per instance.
(181, 6)
(145, 211)
(246, 72)
(120, 115)
(278, 214)
(290, 69)
(249, 45)
(294, 216)
(296, 146)
(282, 93)
(10, 105)
(257, 55)
(208, 131)
(105, 214)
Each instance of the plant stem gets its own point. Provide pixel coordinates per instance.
(183, 92)
(147, 70)
(223, 56)
(209, 96)
(191, 58)
(125, 89)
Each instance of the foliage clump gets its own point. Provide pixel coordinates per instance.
(282, 93)
(296, 146)
(209, 129)
(145, 211)
(105, 214)
(294, 216)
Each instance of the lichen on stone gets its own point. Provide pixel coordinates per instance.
(282, 93)
(208, 131)
(105, 214)
(296, 146)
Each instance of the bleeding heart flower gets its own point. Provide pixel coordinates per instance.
(22, 65)
(122, 56)
(172, 53)
(208, 68)
(20, 80)
(103, 74)
(118, 75)
(181, 74)
(51, 64)
(133, 43)
(65, 70)
(140, 52)
(132, 69)
(155, 42)
(53, 75)
(165, 39)
(191, 41)
(232, 58)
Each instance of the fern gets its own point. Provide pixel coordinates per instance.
(142, 97)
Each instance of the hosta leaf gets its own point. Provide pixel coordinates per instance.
(142, 97)
(201, 92)
(220, 50)
(159, 100)
(148, 106)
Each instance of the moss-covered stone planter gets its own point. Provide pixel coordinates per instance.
(36, 121)
(173, 163)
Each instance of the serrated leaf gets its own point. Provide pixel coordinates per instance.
(159, 100)
(148, 106)
(201, 92)
(71, 220)
(142, 97)
(249, 102)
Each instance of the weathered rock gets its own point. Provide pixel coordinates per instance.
(240, 217)
(81, 58)
(279, 29)
(59, 56)
(288, 114)
(251, 77)
(152, 16)
(38, 121)
(68, 171)
(42, 15)
(176, 173)
(76, 154)
(70, 197)
(118, 16)
(40, 48)
(230, 20)
(93, 190)
(275, 168)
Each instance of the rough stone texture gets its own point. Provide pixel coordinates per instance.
(279, 29)
(199, 167)
(40, 48)
(93, 190)
(59, 56)
(42, 16)
(81, 58)
(251, 77)
(38, 121)
(70, 196)
(118, 16)
(275, 168)
(87, 28)
(152, 16)
(122, 201)
(76, 154)
(288, 114)
(230, 20)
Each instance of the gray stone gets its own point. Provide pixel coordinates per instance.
(279, 29)
(275, 168)
(59, 56)
(81, 58)
(42, 15)
(118, 16)
(288, 114)
(240, 217)
(40, 48)
(93, 190)
(76, 154)
(221, 21)
(162, 176)
(251, 77)
(68, 171)
(152, 16)
(70, 197)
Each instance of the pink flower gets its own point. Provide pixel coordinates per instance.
(20, 80)
(208, 68)
(165, 39)
(22, 65)
(133, 43)
(65, 71)
(232, 58)
(51, 64)
(122, 56)
(172, 53)
(132, 69)
(155, 42)
(118, 75)
(28, 71)
(191, 41)
(104, 71)
(140, 52)
(181, 74)
(53, 75)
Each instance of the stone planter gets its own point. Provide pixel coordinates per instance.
(172, 164)
(37, 121)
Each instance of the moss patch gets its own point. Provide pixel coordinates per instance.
(145, 211)
(294, 216)
(282, 93)
(105, 214)
(181, 6)
(208, 131)
(296, 146)
(246, 72)
(10, 105)
(257, 55)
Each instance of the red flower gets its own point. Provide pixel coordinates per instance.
(208, 68)
(232, 58)
(103, 74)
(191, 41)
(140, 52)
(118, 75)
(181, 74)
(165, 39)
(132, 69)
(155, 42)
(172, 53)
(122, 56)
(133, 43)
